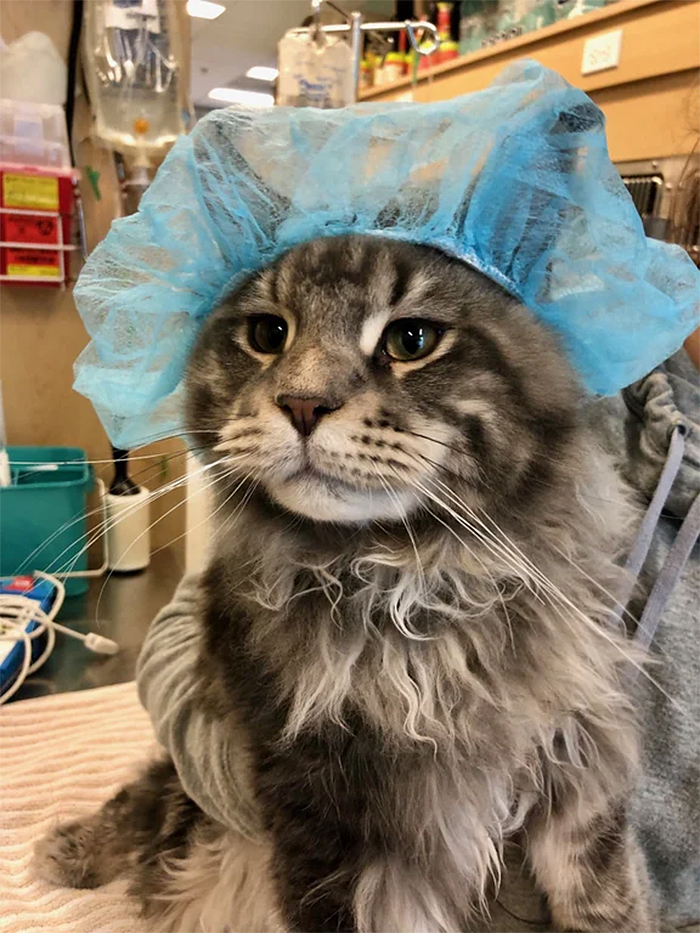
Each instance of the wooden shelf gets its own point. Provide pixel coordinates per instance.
(650, 99)
(669, 31)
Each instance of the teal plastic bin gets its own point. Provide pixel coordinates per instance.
(43, 522)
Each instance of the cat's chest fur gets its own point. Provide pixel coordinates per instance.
(340, 797)
(397, 750)
(366, 742)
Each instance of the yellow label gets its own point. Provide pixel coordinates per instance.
(15, 268)
(33, 192)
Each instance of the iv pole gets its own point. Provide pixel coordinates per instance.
(356, 27)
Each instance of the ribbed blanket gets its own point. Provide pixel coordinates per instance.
(61, 756)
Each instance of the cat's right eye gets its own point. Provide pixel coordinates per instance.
(267, 333)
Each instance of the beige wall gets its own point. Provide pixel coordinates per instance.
(40, 330)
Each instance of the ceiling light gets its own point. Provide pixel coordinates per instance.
(261, 73)
(234, 95)
(204, 9)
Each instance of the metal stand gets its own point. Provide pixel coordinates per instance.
(356, 27)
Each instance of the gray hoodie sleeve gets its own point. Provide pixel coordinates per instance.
(665, 810)
(211, 771)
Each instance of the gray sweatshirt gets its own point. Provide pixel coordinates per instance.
(665, 809)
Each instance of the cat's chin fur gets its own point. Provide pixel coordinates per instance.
(330, 500)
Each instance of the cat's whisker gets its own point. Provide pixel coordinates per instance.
(508, 545)
(25, 566)
(102, 527)
(230, 521)
(442, 468)
(554, 593)
(139, 537)
(462, 451)
(495, 547)
(471, 550)
(508, 540)
(109, 461)
(599, 586)
(199, 490)
(99, 509)
(509, 550)
(210, 516)
(110, 522)
(472, 553)
(183, 435)
(404, 519)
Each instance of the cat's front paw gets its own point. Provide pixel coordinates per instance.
(69, 856)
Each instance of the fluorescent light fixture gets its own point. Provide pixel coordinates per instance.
(261, 73)
(204, 9)
(234, 95)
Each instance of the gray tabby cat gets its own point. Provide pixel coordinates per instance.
(406, 628)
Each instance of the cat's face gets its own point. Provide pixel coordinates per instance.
(360, 378)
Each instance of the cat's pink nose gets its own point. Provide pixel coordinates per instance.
(305, 413)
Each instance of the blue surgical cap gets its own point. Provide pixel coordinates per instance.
(515, 180)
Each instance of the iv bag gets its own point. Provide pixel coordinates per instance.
(31, 69)
(315, 72)
(133, 67)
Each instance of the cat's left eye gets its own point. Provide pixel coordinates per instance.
(410, 339)
(267, 333)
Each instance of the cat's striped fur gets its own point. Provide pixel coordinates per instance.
(407, 627)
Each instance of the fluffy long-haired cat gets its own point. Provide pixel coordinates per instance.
(406, 624)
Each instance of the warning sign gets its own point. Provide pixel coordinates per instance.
(39, 263)
(24, 228)
(31, 192)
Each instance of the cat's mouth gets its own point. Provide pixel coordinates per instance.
(323, 496)
(310, 472)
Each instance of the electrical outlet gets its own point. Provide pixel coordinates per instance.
(601, 52)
